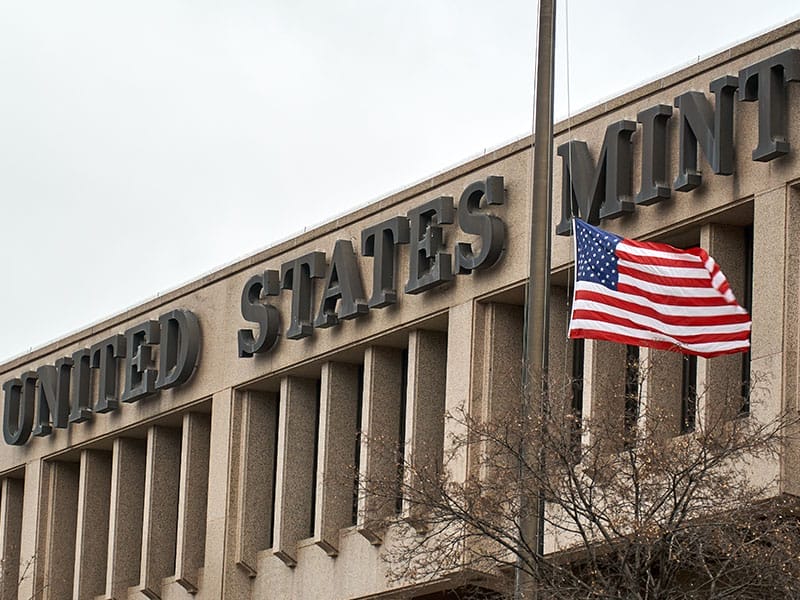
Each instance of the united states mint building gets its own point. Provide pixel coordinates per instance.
(203, 444)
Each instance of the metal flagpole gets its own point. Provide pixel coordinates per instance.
(537, 301)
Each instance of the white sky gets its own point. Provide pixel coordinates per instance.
(145, 143)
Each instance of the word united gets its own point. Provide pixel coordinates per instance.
(653, 295)
(56, 396)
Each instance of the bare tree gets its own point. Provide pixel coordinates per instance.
(632, 509)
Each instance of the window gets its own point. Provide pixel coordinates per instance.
(577, 395)
(688, 393)
(631, 390)
(401, 436)
(747, 302)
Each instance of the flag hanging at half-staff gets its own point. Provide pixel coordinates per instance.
(653, 295)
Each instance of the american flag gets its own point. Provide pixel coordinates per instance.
(653, 295)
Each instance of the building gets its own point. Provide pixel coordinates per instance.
(200, 445)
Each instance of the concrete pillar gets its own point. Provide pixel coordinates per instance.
(720, 390)
(91, 544)
(425, 404)
(776, 219)
(498, 370)
(664, 370)
(160, 522)
(340, 396)
(31, 572)
(790, 475)
(559, 347)
(221, 577)
(294, 483)
(384, 379)
(501, 379)
(191, 541)
(461, 346)
(61, 519)
(11, 495)
(566, 378)
(258, 433)
(606, 374)
(125, 516)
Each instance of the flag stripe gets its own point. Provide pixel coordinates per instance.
(587, 290)
(698, 273)
(625, 335)
(710, 301)
(682, 334)
(668, 278)
(668, 289)
(600, 303)
(666, 262)
(652, 250)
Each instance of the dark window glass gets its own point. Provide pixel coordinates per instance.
(688, 393)
(314, 467)
(401, 440)
(747, 302)
(357, 450)
(631, 389)
(577, 395)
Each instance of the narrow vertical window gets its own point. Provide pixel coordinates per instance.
(311, 530)
(357, 450)
(631, 390)
(401, 439)
(577, 396)
(688, 393)
(747, 303)
(274, 491)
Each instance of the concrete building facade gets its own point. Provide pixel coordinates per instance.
(201, 445)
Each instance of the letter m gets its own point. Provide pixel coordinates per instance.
(594, 191)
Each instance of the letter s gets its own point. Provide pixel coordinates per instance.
(490, 228)
(265, 315)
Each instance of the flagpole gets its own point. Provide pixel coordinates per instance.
(537, 300)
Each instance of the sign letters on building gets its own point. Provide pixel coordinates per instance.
(55, 396)
(602, 190)
(343, 291)
(156, 355)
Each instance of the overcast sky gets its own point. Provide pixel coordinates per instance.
(143, 144)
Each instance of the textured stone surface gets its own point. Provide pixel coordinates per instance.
(259, 427)
(607, 379)
(160, 520)
(498, 365)
(461, 347)
(295, 473)
(11, 494)
(722, 387)
(336, 469)
(425, 403)
(61, 514)
(663, 382)
(91, 543)
(221, 578)
(502, 376)
(559, 345)
(32, 536)
(191, 535)
(125, 518)
(381, 412)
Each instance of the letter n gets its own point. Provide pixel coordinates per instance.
(711, 129)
